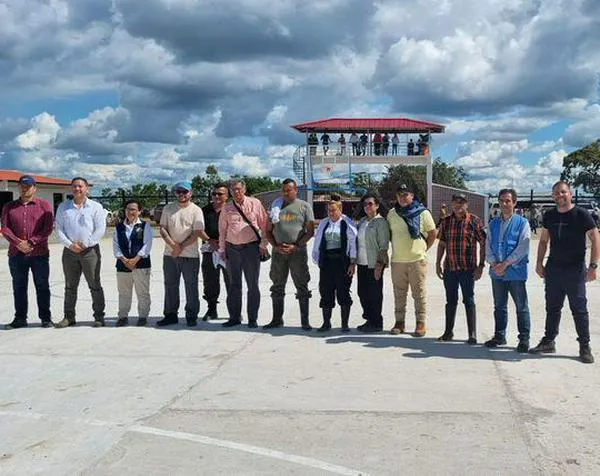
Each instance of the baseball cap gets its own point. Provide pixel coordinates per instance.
(185, 185)
(460, 196)
(27, 180)
(404, 188)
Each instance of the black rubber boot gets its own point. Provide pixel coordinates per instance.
(304, 319)
(277, 320)
(326, 320)
(471, 324)
(345, 318)
(450, 318)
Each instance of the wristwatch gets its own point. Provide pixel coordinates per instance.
(594, 265)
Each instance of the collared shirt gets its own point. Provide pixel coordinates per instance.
(520, 251)
(145, 250)
(32, 221)
(235, 230)
(460, 237)
(85, 223)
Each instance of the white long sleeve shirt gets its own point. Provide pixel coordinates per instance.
(85, 223)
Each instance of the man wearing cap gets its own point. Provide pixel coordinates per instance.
(80, 225)
(413, 232)
(458, 238)
(26, 224)
(181, 224)
(242, 242)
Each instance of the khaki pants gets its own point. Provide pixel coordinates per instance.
(140, 280)
(414, 275)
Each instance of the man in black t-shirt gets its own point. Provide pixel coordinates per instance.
(566, 228)
(210, 272)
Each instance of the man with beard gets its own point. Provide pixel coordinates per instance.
(567, 227)
(26, 224)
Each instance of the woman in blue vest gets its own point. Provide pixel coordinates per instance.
(508, 256)
(334, 250)
(132, 244)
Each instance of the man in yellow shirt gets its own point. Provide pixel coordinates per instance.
(413, 232)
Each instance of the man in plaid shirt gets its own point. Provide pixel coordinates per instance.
(459, 235)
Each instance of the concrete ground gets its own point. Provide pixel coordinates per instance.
(142, 401)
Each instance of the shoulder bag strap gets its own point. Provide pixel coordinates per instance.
(243, 215)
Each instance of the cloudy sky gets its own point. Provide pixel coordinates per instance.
(125, 91)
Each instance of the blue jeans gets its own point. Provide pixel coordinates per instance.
(567, 281)
(466, 281)
(518, 291)
(19, 266)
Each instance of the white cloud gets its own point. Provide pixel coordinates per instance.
(43, 132)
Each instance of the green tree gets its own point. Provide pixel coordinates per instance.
(582, 168)
(416, 177)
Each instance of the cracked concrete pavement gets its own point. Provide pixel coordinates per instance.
(212, 401)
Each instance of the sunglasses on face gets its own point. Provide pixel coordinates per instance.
(181, 192)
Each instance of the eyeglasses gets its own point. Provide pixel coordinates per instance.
(132, 209)
(181, 192)
(218, 194)
(369, 204)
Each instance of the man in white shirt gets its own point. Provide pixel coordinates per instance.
(132, 245)
(80, 225)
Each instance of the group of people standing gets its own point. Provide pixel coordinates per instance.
(237, 232)
(378, 144)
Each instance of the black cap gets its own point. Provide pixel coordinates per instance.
(404, 188)
(460, 196)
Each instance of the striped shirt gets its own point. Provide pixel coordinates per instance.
(461, 237)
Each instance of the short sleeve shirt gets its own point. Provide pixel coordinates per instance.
(405, 249)
(293, 219)
(568, 234)
(181, 222)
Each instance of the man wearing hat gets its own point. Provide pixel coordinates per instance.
(26, 224)
(181, 224)
(458, 238)
(413, 232)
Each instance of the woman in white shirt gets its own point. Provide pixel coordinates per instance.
(372, 259)
(334, 251)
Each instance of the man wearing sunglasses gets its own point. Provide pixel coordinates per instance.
(211, 269)
(181, 224)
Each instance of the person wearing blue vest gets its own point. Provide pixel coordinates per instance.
(132, 244)
(508, 257)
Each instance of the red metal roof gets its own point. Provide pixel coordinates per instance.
(400, 125)
(14, 175)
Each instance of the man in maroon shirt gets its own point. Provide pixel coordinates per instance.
(26, 224)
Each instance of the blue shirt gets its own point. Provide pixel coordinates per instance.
(85, 223)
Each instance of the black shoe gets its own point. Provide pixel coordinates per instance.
(141, 322)
(546, 346)
(369, 329)
(585, 354)
(471, 341)
(168, 321)
(210, 314)
(122, 322)
(191, 322)
(523, 347)
(252, 324)
(325, 327)
(47, 323)
(273, 324)
(99, 322)
(16, 324)
(231, 323)
(495, 342)
(446, 337)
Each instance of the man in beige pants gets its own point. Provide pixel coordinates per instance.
(413, 232)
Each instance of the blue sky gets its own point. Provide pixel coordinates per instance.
(124, 94)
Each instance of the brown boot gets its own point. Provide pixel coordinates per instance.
(399, 328)
(420, 330)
